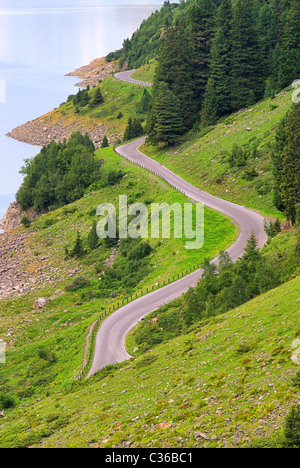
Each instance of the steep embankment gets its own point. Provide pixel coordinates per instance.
(232, 159)
(222, 385)
(110, 342)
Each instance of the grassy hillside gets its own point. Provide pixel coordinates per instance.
(203, 159)
(121, 101)
(146, 72)
(46, 347)
(223, 385)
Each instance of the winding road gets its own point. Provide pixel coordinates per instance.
(110, 340)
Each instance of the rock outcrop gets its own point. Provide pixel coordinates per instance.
(96, 71)
(12, 218)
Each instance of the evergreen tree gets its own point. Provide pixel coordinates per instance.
(247, 76)
(280, 143)
(128, 131)
(251, 253)
(210, 110)
(59, 174)
(78, 250)
(97, 98)
(105, 143)
(201, 30)
(165, 122)
(273, 81)
(278, 7)
(174, 69)
(143, 105)
(268, 42)
(82, 98)
(290, 56)
(292, 428)
(133, 130)
(217, 100)
(297, 251)
(93, 239)
(290, 181)
(137, 128)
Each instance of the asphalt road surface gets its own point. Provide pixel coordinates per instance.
(126, 76)
(110, 340)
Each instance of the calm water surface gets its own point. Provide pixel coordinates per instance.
(40, 42)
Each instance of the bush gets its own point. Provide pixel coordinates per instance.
(78, 250)
(59, 174)
(47, 355)
(105, 143)
(272, 229)
(93, 239)
(6, 401)
(114, 177)
(77, 284)
(292, 428)
(296, 380)
(26, 221)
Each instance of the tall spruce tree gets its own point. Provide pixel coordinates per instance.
(165, 121)
(280, 143)
(290, 49)
(248, 83)
(267, 40)
(97, 98)
(93, 239)
(217, 100)
(290, 182)
(201, 18)
(273, 80)
(174, 69)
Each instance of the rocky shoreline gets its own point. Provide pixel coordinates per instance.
(96, 71)
(17, 276)
(52, 126)
(43, 130)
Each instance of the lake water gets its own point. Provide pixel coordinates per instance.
(40, 42)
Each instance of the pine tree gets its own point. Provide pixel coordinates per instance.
(251, 253)
(137, 128)
(217, 100)
(78, 250)
(268, 42)
(280, 143)
(290, 181)
(292, 428)
(278, 7)
(143, 105)
(93, 239)
(129, 130)
(174, 68)
(273, 64)
(210, 112)
(133, 130)
(105, 143)
(247, 77)
(201, 30)
(97, 98)
(290, 55)
(165, 122)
